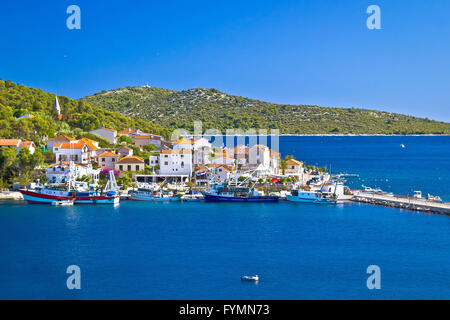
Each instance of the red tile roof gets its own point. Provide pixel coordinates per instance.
(9, 142)
(131, 159)
(62, 138)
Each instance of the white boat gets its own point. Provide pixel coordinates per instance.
(250, 278)
(309, 197)
(189, 197)
(151, 195)
(62, 203)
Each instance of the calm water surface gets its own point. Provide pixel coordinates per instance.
(140, 250)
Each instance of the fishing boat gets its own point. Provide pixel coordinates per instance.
(310, 197)
(50, 194)
(142, 194)
(230, 193)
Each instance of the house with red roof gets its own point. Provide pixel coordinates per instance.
(59, 139)
(107, 160)
(77, 152)
(18, 144)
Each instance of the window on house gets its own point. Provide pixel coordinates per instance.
(121, 167)
(129, 168)
(103, 159)
(113, 160)
(166, 163)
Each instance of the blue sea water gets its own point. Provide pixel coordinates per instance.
(140, 250)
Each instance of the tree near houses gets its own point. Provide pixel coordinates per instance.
(283, 166)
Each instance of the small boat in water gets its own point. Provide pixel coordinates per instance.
(254, 278)
(152, 195)
(228, 193)
(62, 203)
(192, 196)
(310, 197)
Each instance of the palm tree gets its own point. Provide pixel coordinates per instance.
(26, 178)
(283, 166)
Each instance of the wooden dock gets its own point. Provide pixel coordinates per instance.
(402, 202)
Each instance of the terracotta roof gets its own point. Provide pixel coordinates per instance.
(125, 147)
(141, 137)
(180, 151)
(131, 159)
(127, 131)
(89, 143)
(183, 141)
(62, 138)
(273, 153)
(68, 145)
(26, 144)
(9, 142)
(108, 154)
(294, 162)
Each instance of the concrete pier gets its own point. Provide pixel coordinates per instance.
(402, 202)
(10, 195)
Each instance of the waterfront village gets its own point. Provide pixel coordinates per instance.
(104, 166)
(192, 162)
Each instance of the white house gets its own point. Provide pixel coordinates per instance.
(259, 155)
(18, 144)
(153, 161)
(202, 155)
(125, 151)
(175, 162)
(93, 147)
(108, 134)
(61, 173)
(294, 168)
(77, 152)
(223, 173)
(241, 154)
(275, 160)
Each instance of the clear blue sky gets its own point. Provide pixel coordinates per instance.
(299, 52)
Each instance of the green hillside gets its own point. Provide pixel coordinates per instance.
(78, 116)
(179, 109)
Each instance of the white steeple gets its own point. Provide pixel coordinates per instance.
(57, 107)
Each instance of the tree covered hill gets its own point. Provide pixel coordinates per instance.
(179, 109)
(17, 100)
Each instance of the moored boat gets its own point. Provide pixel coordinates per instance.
(50, 194)
(309, 197)
(151, 195)
(226, 193)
